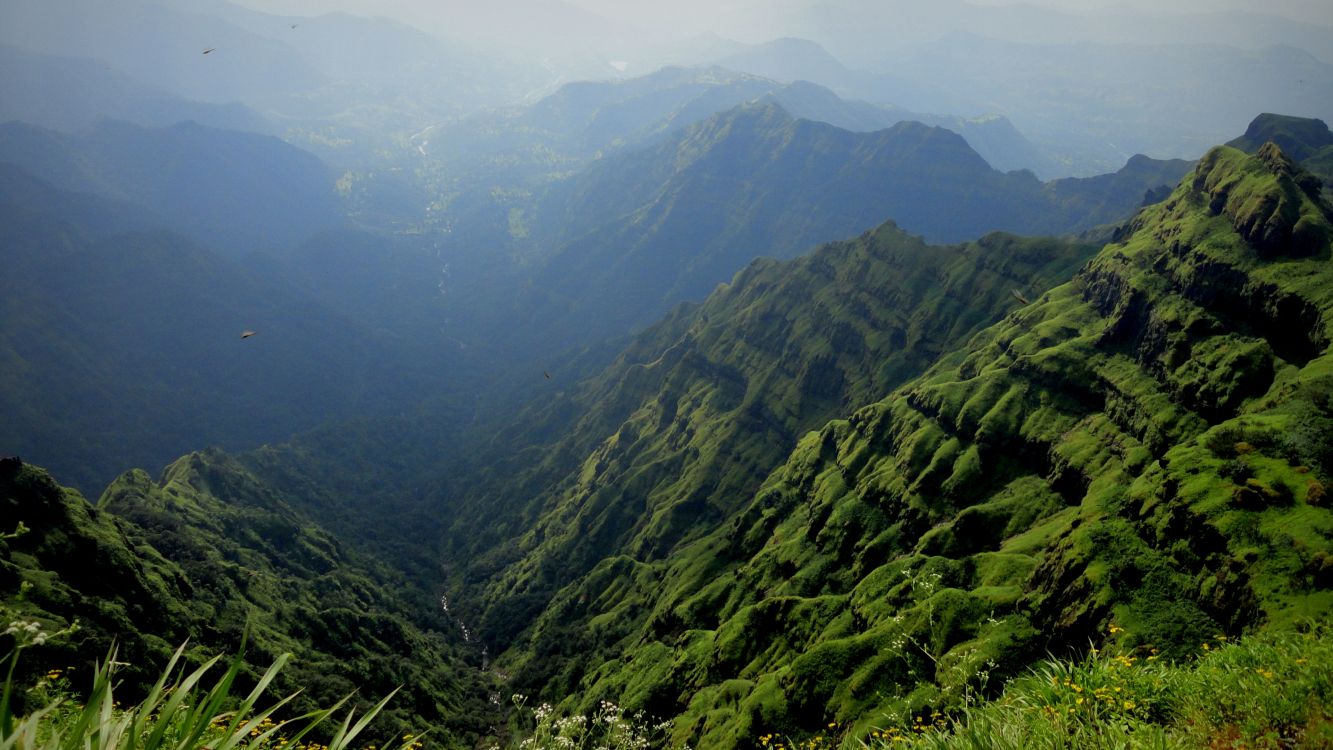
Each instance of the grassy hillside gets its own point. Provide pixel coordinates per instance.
(1145, 447)
(1306, 140)
(206, 553)
(686, 423)
(1268, 690)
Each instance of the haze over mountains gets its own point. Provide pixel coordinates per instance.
(777, 371)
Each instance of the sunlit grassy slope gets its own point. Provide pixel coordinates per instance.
(1271, 690)
(671, 439)
(1145, 445)
(204, 554)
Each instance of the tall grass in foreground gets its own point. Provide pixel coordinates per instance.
(179, 712)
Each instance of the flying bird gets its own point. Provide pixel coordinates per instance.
(1019, 296)
(295, 25)
(247, 334)
(547, 374)
(210, 49)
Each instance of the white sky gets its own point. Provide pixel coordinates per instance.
(753, 20)
(1316, 11)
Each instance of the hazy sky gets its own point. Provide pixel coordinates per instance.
(1320, 11)
(711, 15)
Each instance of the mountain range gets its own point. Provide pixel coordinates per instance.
(740, 394)
(863, 482)
(678, 219)
(1143, 444)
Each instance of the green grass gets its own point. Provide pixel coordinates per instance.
(1272, 690)
(181, 711)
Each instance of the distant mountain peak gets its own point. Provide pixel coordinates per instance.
(1298, 137)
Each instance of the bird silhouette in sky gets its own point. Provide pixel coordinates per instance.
(247, 334)
(210, 49)
(295, 25)
(1019, 296)
(547, 374)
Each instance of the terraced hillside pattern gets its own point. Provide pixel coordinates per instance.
(1147, 445)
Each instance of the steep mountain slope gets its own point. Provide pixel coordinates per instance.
(122, 348)
(754, 181)
(1106, 198)
(1146, 446)
(693, 414)
(208, 553)
(236, 192)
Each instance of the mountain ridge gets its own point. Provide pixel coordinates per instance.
(1092, 458)
(755, 181)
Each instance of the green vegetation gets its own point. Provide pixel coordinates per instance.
(606, 728)
(1143, 445)
(178, 712)
(685, 424)
(1269, 690)
(733, 528)
(208, 554)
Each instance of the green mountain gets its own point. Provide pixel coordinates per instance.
(1145, 446)
(1306, 140)
(208, 553)
(1108, 198)
(236, 192)
(755, 181)
(695, 412)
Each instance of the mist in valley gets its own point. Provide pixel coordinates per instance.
(675, 348)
